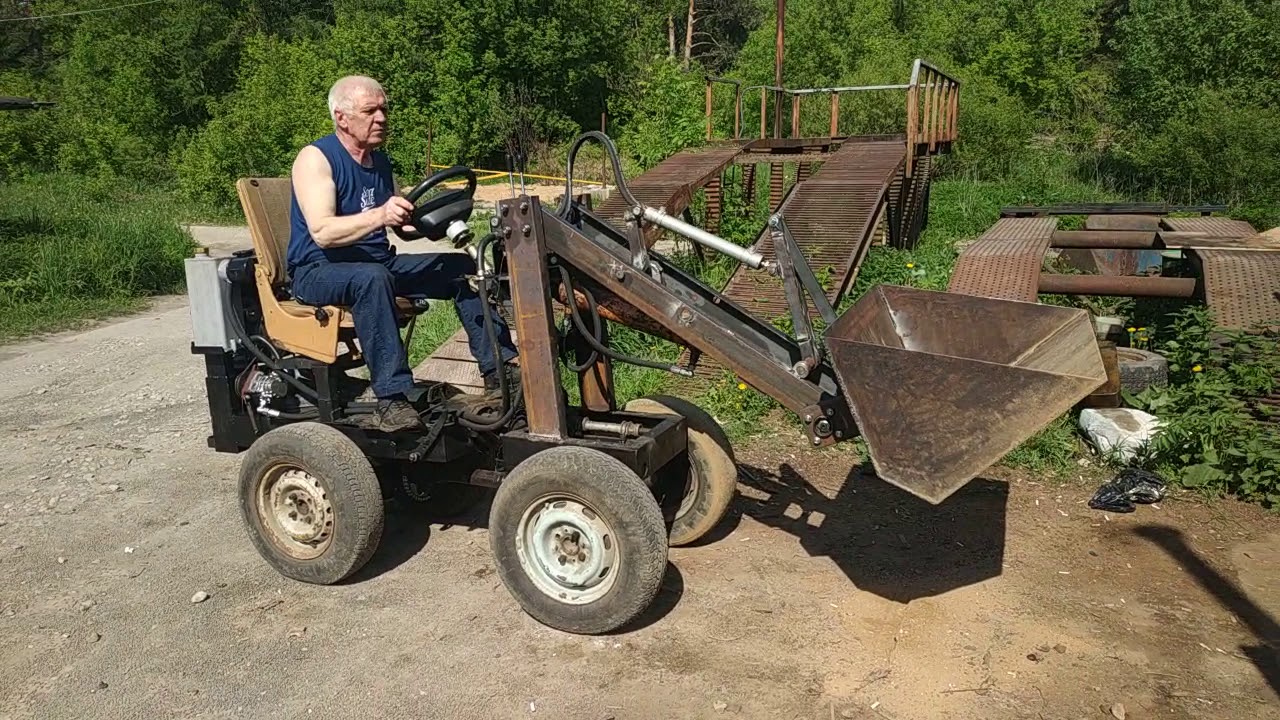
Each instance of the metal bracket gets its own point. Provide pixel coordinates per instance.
(797, 281)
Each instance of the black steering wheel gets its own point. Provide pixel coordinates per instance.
(443, 215)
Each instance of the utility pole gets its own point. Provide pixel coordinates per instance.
(777, 70)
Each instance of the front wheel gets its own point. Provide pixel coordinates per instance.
(578, 540)
(311, 501)
(713, 474)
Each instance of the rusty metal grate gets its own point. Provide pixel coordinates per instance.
(1242, 287)
(1211, 226)
(1005, 262)
(833, 217)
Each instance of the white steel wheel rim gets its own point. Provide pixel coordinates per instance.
(567, 550)
(294, 509)
(691, 492)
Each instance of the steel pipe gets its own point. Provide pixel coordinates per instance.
(751, 259)
(1103, 239)
(1124, 286)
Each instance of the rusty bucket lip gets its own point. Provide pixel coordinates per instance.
(1070, 315)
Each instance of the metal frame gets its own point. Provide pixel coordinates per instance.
(599, 257)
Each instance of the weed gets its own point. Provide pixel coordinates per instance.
(71, 250)
(1214, 435)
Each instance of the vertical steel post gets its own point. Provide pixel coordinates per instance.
(521, 220)
(708, 109)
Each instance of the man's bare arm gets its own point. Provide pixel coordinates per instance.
(313, 185)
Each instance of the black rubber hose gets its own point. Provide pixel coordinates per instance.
(486, 308)
(618, 179)
(600, 347)
(244, 339)
(595, 325)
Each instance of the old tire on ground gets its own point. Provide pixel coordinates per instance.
(713, 472)
(311, 501)
(578, 540)
(1141, 369)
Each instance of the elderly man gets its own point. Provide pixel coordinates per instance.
(344, 200)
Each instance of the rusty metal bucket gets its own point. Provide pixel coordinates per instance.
(943, 385)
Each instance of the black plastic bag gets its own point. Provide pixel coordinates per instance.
(1130, 486)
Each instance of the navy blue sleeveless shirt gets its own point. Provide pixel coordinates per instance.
(358, 189)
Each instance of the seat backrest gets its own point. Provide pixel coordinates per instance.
(266, 203)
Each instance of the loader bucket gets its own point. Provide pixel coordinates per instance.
(944, 385)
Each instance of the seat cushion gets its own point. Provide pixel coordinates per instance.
(404, 306)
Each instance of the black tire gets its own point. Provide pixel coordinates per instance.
(346, 492)
(1141, 369)
(712, 469)
(612, 495)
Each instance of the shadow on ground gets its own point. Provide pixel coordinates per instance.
(885, 540)
(1265, 655)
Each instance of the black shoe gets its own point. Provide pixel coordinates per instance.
(492, 388)
(394, 414)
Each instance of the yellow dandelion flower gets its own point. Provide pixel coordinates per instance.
(742, 386)
(1133, 329)
(910, 265)
(1196, 368)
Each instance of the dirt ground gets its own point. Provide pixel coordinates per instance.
(825, 594)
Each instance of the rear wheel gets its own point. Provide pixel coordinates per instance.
(311, 501)
(713, 475)
(578, 539)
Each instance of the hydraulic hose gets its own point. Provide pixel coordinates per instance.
(486, 308)
(238, 328)
(618, 179)
(600, 347)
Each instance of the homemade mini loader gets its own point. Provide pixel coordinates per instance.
(589, 497)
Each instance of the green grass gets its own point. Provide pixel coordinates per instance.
(73, 250)
(432, 328)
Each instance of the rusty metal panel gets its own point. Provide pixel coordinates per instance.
(942, 386)
(1242, 287)
(1211, 226)
(1005, 262)
(1148, 223)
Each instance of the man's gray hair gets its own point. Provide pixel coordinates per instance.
(345, 88)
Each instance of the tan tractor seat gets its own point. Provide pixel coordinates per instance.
(290, 324)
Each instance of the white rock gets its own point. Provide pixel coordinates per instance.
(1119, 431)
(199, 597)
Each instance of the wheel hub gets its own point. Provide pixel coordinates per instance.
(568, 550)
(296, 510)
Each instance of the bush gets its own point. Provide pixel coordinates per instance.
(1216, 148)
(661, 115)
(278, 107)
(1214, 436)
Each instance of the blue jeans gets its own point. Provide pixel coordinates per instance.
(370, 290)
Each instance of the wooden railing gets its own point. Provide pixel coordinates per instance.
(932, 105)
(933, 102)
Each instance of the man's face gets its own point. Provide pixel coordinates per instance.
(367, 120)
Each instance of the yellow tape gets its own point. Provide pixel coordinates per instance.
(492, 174)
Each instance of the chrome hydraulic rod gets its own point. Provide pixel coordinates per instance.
(750, 258)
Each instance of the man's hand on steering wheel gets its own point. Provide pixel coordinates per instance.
(395, 213)
(443, 215)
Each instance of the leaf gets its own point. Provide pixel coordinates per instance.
(1201, 475)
